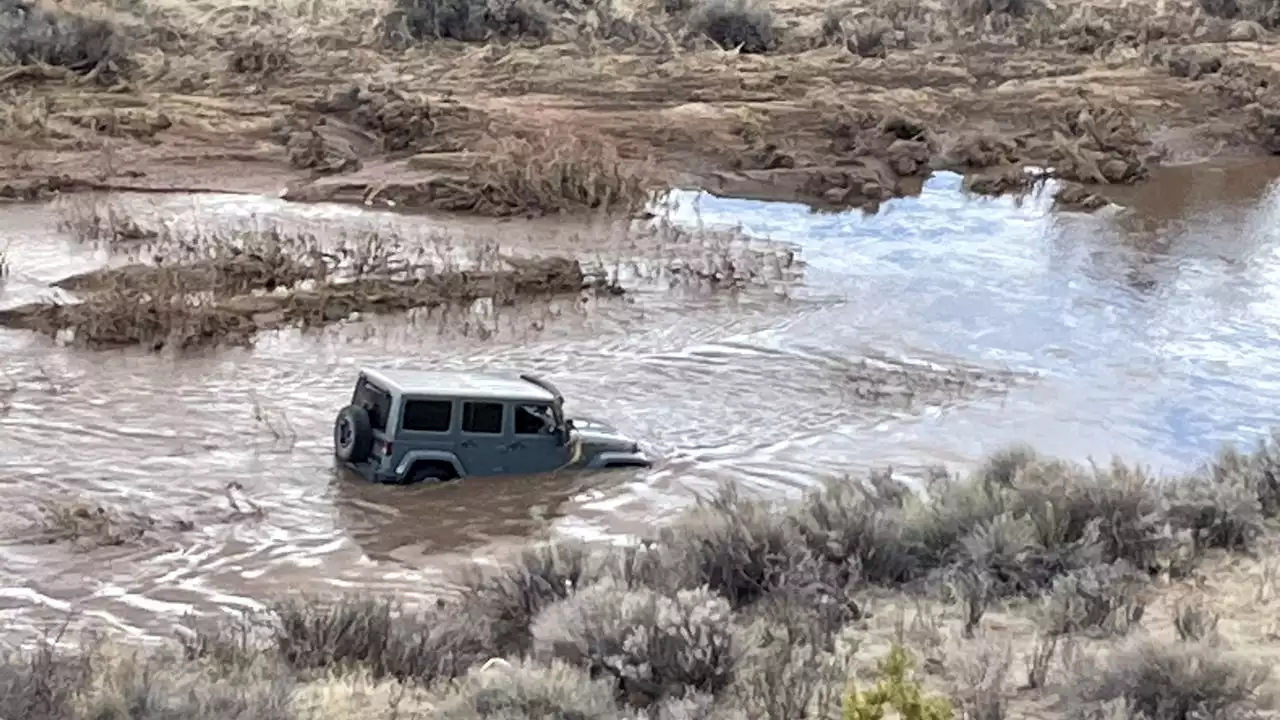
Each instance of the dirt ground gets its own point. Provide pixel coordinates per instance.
(520, 107)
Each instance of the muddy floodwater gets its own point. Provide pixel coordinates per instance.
(933, 332)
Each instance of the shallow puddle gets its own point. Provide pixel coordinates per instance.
(935, 331)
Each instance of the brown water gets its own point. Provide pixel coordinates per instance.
(1152, 332)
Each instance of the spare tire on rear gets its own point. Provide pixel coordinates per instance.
(352, 434)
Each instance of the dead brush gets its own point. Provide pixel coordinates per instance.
(99, 223)
(264, 260)
(275, 423)
(91, 524)
(1194, 623)
(50, 35)
(261, 56)
(1099, 144)
(23, 115)
(159, 314)
(555, 174)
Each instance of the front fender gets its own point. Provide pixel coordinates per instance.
(414, 456)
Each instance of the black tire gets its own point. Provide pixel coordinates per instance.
(352, 434)
(429, 473)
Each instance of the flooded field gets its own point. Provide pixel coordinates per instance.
(933, 332)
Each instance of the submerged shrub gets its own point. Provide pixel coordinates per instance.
(1171, 681)
(525, 690)
(744, 24)
(654, 646)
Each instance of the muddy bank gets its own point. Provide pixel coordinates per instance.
(600, 107)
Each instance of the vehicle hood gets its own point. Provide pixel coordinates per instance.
(601, 435)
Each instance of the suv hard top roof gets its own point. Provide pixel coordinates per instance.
(483, 386)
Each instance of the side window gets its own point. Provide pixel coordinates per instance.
(427, 416)
(375, 401)
(482, 417)
(533, 419)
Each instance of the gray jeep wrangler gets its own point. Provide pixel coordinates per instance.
(411, 426)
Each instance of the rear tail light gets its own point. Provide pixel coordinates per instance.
(384, 448)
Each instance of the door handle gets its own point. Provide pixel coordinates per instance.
(517, 445)
(467, 444)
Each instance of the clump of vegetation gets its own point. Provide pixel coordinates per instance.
(977, 10)
(470, 20)
(527, 690)
(1264, 12)
(1172, 681)
(551, 173)
(46, 33)
(653, 645)
(895, 690)
(746, 25)
(384, 638)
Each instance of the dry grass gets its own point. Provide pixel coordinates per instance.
(556, 173)
(1029, 588)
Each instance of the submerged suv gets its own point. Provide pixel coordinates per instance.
(411, 426)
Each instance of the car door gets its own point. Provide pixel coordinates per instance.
(482, 437)
(533, 445)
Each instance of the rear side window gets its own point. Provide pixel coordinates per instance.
(427, 416)
(375, 401)
(482, 417)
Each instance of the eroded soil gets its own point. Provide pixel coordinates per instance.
(837, 113)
